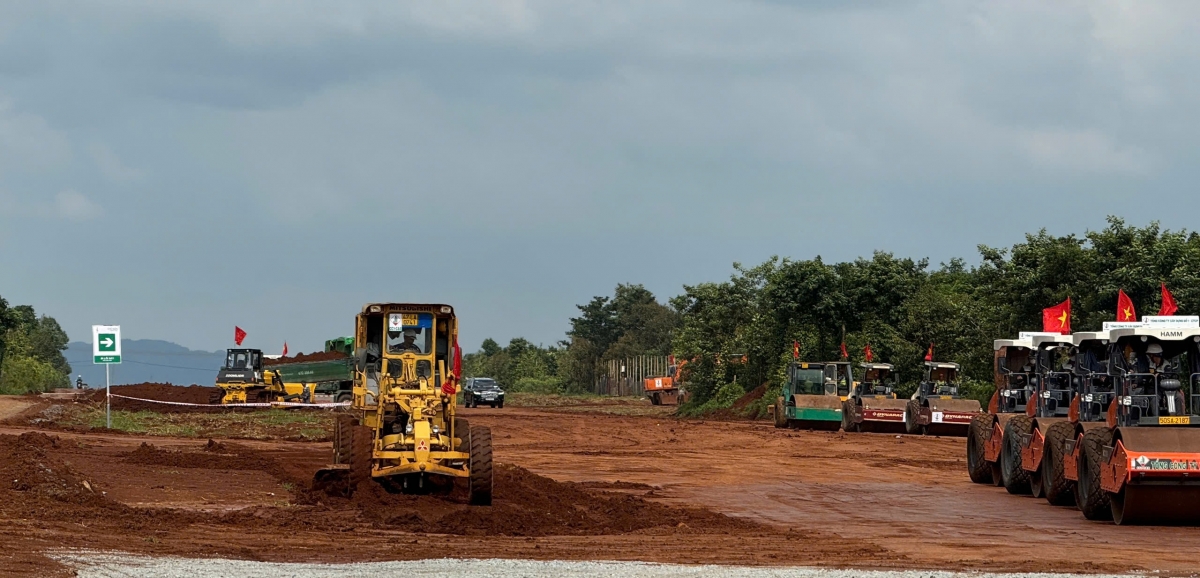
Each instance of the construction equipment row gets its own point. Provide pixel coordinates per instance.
(1103, 421)
(825, 396)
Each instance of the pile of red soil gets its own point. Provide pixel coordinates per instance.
(526, 504)
(214, 456)
(197, 394)
(740, 408)
(302, 357)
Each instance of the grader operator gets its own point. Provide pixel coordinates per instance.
(402, 430)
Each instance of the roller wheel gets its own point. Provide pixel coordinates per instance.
(362, 445)
(1016, 480)
(1089, 496)
(342, 435)
(846, 425)
(780, 418)
(481, 466)
(977, 467)
(1059, 490)
(910, 418)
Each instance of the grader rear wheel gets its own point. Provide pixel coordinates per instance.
(481, 466)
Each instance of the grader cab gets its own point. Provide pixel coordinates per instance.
(402, 430)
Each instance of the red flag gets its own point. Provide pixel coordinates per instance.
(929, 354)
(284, 349)
(449, 387)
(1169, 307)
(867, 352)
(238, 335)
(1057, 319)
(844, 354)
(1125, 311)
(795, 350)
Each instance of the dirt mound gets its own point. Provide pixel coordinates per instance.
(752, 396)
(42, 485)
(526, 504)
(214, 456)
(195, 394)
(302, 357)
(745, 407)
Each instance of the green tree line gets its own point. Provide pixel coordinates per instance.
(745, 327)
(31, 351)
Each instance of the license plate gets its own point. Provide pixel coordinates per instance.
(1175, 420)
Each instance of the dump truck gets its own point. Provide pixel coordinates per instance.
(1026, 436)
(401, 430)
(1094, 391)
(1147, 457)
(248, 376)
(872, 405)
(1013, 377)
(813, 394)
(937, 407)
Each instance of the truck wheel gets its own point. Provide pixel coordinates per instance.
(344, 397)
(492, 405)
(1089, 496)
(1016, 479)
(1059, 490)
(977, 467)
(500, 403)
(362, 445)
(481, 466)
(911, 412)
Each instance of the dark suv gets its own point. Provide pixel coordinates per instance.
(484, 390)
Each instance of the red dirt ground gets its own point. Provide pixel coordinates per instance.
(572, 486)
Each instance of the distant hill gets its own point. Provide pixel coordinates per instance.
(145, 360)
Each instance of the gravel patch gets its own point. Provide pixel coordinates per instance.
(110, 565)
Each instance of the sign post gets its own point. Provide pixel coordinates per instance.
(106, 350)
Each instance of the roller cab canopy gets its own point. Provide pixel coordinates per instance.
(878, 380)
(1151, 367)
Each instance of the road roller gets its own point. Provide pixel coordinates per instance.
(1025, 436)
(1147, 457)
(813, 395)
(872, 405)
(1013, 376)
(937, 407)
(1088, 409)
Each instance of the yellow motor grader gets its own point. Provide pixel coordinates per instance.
(402, 431)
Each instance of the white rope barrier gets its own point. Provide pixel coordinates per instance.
(257, 404)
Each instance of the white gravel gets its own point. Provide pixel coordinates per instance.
(108, 565)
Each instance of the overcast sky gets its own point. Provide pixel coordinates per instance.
(182, 167)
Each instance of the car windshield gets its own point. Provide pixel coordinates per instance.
(485, 384)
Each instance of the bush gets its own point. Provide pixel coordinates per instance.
(543, 385)
(723, 398)
(26, 374)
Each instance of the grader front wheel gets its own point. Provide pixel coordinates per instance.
(481, 466)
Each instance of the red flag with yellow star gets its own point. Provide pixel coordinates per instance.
(1125, 311)
(1057, 319)
(1169, 307)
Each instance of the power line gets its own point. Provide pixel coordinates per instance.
(84, 361)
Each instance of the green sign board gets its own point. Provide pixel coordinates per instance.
(106, 344)
(106, 359)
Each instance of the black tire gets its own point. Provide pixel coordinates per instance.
(1091, 499)
(343, 429)
(846, 425)
(481, 466)
(977, 436)
(1059, 490)
(500, 403)
(1016, 480)
(362, 445)
(462, 430)
(344, 397)
(911, 411)
(780, 419)
(654, 399)
(493, 405)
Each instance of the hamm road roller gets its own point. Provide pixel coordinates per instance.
(1088, 409)
(1013, 376)
(1147, 458)
(872, 405)
(1025, 436)
(813, 395)
(937, 407)
(402, 430)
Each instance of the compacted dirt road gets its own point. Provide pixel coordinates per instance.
(645, 488)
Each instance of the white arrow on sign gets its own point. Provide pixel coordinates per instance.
(107, 342)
